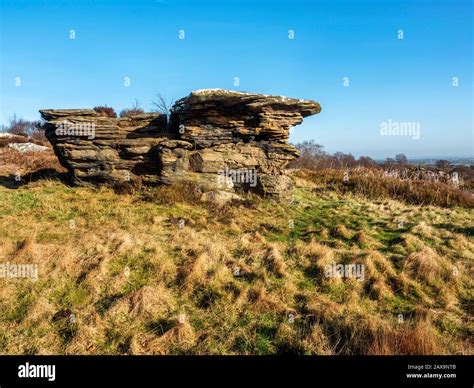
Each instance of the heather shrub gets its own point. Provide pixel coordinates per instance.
(129, 112)
(375, 183)
(106, 111)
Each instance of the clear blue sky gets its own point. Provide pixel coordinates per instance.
(407, 80)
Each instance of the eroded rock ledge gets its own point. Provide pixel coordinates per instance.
(218, 139)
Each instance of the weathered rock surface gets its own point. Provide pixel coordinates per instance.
(27, 147)
(97, 149)
(213, 117)
(213, 138)
(219, 197)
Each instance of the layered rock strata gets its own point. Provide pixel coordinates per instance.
(214, 138)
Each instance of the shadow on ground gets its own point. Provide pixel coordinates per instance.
(12, 182)
(468, 231)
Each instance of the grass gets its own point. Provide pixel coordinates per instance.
(244, 279)
(15, 162)
(375, 183)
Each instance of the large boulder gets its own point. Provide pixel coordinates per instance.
(213, 138)
(215, 116)
(97, 149)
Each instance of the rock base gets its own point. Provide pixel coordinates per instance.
(220, 140)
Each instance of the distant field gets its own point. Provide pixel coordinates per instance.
(156, 272)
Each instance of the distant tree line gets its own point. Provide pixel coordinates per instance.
(21, 127)
(314, 157)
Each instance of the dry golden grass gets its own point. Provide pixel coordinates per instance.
(13, 162)
(372, 183)
(138, 274)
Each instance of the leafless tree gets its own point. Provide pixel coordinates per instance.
(162, 105)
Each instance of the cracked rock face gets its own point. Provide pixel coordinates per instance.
(102, 150)
(213, 136)
(212, 117)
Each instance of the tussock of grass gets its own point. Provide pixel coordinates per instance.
(275, 261)
(129, 278)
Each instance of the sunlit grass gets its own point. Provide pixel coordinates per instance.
(243, 279)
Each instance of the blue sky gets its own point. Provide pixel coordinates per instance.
(403, 80)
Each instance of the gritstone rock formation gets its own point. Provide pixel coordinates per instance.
(217, 139)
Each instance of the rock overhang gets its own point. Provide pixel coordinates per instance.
(208, 131)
